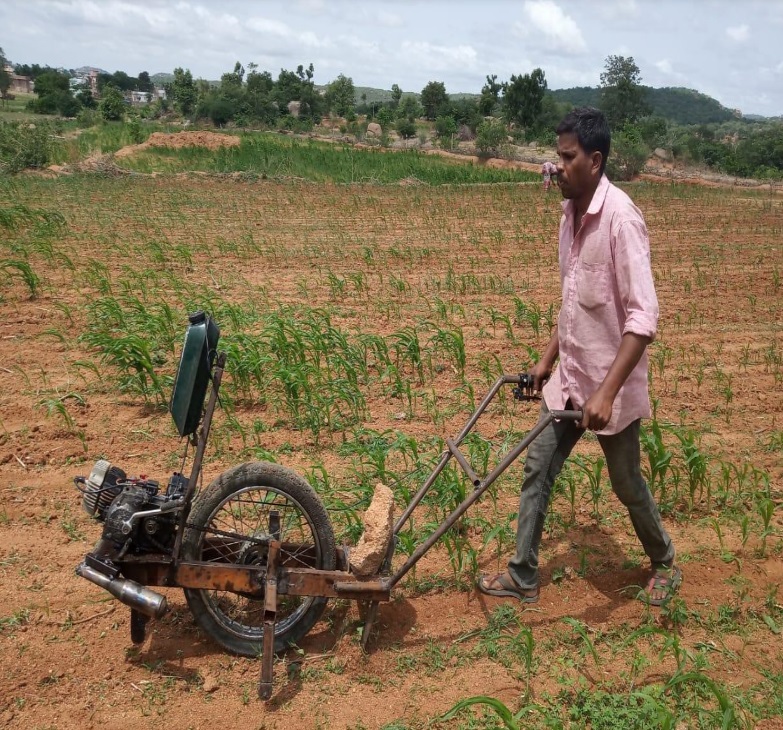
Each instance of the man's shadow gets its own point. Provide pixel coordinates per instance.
(595, 557)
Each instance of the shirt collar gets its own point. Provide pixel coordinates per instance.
(596, 203)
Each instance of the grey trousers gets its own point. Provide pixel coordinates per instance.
(545, 458)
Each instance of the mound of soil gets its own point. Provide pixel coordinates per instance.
(210, 140)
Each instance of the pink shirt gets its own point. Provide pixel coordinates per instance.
(549, 168)
(608, 290)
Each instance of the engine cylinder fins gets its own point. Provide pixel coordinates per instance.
(101, 487)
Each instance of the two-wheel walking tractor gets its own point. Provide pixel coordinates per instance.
(254, 552)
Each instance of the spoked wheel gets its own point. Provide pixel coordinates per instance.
(232, 522)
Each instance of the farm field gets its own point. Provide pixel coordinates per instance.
(363, 322)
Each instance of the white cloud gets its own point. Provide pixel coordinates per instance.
(389, 20)
(627, 7)
(614, 9)
(311, 40)
(738, 33)
(666, 68)
(546, 21)
(438, 58)
(272, 27)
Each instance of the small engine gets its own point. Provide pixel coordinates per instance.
(137, 517)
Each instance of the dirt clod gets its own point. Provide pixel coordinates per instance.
(368, 555)
(210, 684)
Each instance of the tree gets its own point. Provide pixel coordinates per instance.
(144, 83)
(5, 77)
(396, 92)
(299, 87)
(466, 112)
(183, 91)
(260, 83)
(523, 98)
(50, 82)
(112, 104)
(235, 78)
(490, 95)
(434, 98)
(54, 95)
(409, 108)
(340, 96)
(260, 102)
(622, 96)
(34, 71)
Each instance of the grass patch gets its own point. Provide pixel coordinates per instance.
(269, 155)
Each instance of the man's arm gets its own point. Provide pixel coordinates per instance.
(543, 368)
(637, 294)
(598, 409)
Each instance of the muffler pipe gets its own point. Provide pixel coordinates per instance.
(129, 592)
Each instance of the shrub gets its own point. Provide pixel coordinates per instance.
(24, 146)
(406, 128)
(629, 153)
(446, 129)
(490, 136)
(87, 118)
(135, 131)
(112, 105)
(385, 117)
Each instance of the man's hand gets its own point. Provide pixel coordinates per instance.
(540, 373)
(597, 411)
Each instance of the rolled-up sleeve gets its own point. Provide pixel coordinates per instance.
(635, 280)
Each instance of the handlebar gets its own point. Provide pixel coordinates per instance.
(524, 392)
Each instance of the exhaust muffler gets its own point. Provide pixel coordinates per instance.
(129, 592)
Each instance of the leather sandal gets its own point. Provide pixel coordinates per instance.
(502, 585)
(664, 580)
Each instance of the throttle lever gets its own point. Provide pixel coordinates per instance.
(524, 391)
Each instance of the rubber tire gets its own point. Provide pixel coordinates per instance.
(289, 484)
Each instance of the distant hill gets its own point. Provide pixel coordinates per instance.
(161, 78)
(683, 106)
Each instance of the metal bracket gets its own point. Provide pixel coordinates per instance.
(266, 683)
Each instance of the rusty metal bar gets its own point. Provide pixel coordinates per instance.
(513, 455)
(220, 577)
(463, 462)
(479, 491)
(266, 681)
(446, 455)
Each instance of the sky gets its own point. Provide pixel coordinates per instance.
(731, 50)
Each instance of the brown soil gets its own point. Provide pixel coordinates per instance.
(67, 659)
(177, 140)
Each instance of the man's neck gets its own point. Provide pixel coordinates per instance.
(582, 203)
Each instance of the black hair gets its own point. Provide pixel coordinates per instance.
(591, 130)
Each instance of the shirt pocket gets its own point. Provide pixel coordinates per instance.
(592, 285)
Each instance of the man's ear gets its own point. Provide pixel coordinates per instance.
(596, 158)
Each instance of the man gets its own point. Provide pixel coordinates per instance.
(548, 170)
(608, 316)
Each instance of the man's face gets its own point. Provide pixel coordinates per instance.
(577, 171)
